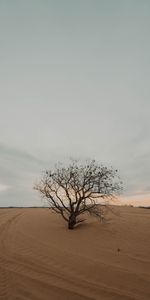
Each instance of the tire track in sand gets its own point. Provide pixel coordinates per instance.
(7, 220)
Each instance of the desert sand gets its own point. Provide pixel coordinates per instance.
(40, 259)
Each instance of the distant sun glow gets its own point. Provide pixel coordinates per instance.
(4, 187)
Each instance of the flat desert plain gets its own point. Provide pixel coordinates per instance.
(40, 259)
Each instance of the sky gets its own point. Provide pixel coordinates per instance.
(74, 79)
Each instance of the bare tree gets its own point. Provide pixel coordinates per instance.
(78, 188)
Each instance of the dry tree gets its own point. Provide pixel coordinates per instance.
(78, 188)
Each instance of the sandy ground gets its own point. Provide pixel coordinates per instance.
(41, 260)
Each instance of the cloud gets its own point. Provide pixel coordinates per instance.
(4, 187)
(10, 152)
(18, 172)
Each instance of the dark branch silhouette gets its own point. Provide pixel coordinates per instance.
(77, 189)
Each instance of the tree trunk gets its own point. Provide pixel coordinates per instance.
(72, 222)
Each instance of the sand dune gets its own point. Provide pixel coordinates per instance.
(41, 260)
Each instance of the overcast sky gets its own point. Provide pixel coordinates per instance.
(74, 83)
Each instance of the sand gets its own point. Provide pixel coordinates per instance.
(40, 259)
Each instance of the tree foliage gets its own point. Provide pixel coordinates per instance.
(78, 188)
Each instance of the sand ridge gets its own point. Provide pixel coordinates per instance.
(40, 259)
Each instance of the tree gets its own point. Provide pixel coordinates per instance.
(77, 189)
